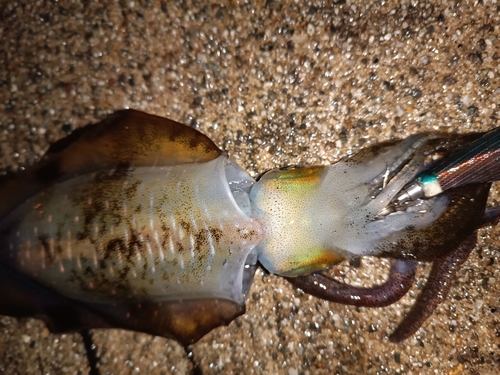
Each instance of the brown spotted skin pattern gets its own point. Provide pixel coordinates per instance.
(425, 245)
(136, 236)
(466, 207)
(462, 217)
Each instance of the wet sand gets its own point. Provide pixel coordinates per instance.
(273, 84)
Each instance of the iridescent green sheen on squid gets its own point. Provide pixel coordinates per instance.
(294, 244)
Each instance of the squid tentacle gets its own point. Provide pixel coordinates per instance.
(439, 282)
(491, 217)
(401, 278)
(435, 291)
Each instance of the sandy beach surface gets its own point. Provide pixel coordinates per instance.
(274, 83)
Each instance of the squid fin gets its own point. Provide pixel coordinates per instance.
(184, 320)
(125, 138)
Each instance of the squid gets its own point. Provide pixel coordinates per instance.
(141, 223)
